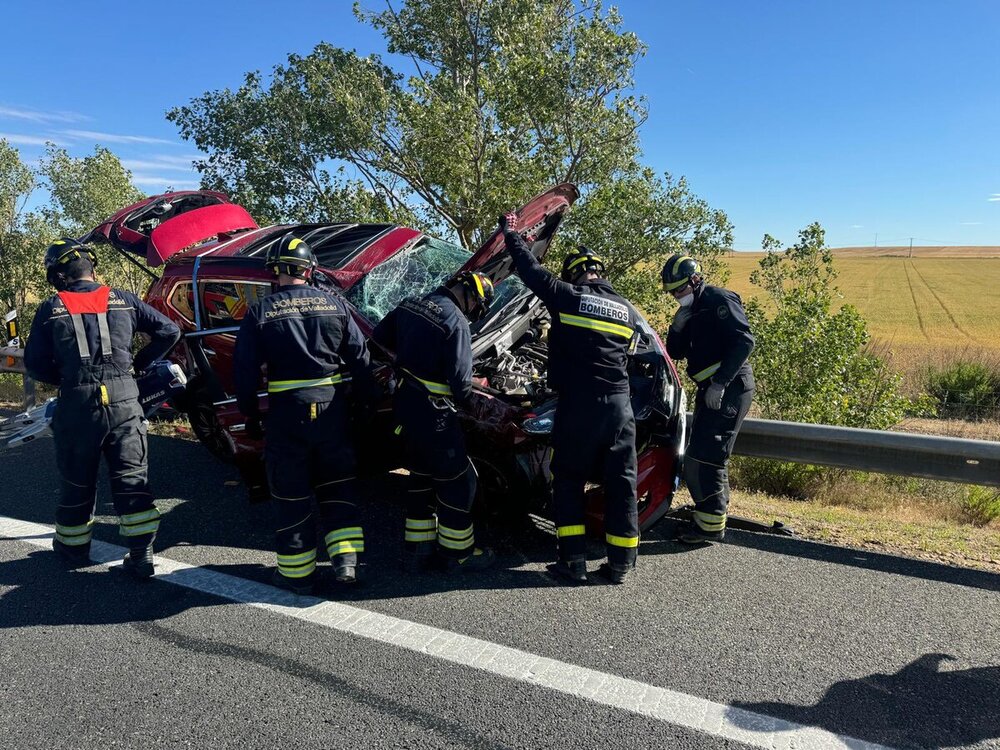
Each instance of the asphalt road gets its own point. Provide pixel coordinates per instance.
(887, 650)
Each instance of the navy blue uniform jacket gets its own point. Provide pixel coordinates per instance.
(716, 340)
(594, 329)
(432, 343)
(127, 314)
(302, 334)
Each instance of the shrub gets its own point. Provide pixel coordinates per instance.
(965, 389)
(980, 505)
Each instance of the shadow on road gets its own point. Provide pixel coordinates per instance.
(923, 705)
(659, 542)
(42, 592)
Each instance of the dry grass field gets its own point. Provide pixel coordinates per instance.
(939, 305)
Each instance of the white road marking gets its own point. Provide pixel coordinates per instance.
(666, 705)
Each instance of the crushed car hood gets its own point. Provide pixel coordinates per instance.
(539, 219)
(161, 226)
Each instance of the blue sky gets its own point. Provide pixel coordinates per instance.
(871, 117)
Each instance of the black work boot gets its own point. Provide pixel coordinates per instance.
(572, 571)
(694, 534)
(481, 559)
(345, 568)
(138, 563)
(615, 573)
(301, 586)
(72, 556)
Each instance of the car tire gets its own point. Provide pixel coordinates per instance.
(206, 426)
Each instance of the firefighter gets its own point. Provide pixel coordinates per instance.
(433, 358)
(594, 330)
(312, 347)
(711, 331)
(81, 340)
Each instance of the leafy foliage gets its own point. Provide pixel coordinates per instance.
(965, 389)
(16, 262)
(812, 364)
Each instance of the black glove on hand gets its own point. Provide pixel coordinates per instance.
(681, 318)
(254, 428)
(713, 396)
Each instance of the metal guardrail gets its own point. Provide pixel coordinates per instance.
(899, 453)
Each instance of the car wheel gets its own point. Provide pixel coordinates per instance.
(207, 428)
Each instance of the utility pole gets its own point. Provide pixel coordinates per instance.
(876, 240)
(911, 247)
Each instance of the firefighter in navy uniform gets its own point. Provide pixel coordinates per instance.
(711, 331)
(81, 341)
(594, 330)
(433, 358)
(311, 346)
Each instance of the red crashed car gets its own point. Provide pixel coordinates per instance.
(212, 254)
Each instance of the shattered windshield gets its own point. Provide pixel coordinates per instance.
(414, 272)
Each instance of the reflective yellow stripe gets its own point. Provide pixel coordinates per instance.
(351, 532)
(578, 530)
(622, 541)
(146, 528)
(297, 572)
(419, 536)
(596, 325)
(292, 561)
(455, 533)
(75, 530)
(706, 373)
(421, 523)
(130, 519)
(583, 259)
(346, 547)
(105, 398)
(74, 541)
(294, 243)
(438, 389)
(710, 521)
(278, 386)
(455, 544)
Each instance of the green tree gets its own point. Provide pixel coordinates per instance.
(494, 111)
(813, 364)
(83, 191)
(17, 266)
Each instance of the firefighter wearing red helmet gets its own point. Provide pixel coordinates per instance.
(594, 331)
(432, 345)
(81, 340)
(311, 347)
(711, 331)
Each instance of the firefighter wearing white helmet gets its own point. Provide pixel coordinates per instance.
(710, 330)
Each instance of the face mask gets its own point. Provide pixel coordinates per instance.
(686, 300)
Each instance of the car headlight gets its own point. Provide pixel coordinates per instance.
(539, 425)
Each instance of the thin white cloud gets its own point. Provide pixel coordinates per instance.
(18, 139)
(181, 161)
(857, 226)
(994, 197)
(134, 164)
(34, 115)
(969, 223)
(149, 180)
(114, 137)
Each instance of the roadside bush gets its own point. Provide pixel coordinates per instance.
(980, 505)
(965, 389)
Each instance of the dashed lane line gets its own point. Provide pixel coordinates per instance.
(663, 704)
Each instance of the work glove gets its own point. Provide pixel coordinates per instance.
(508, 222)
(713, 396)
(681, 318)
(254, 428)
